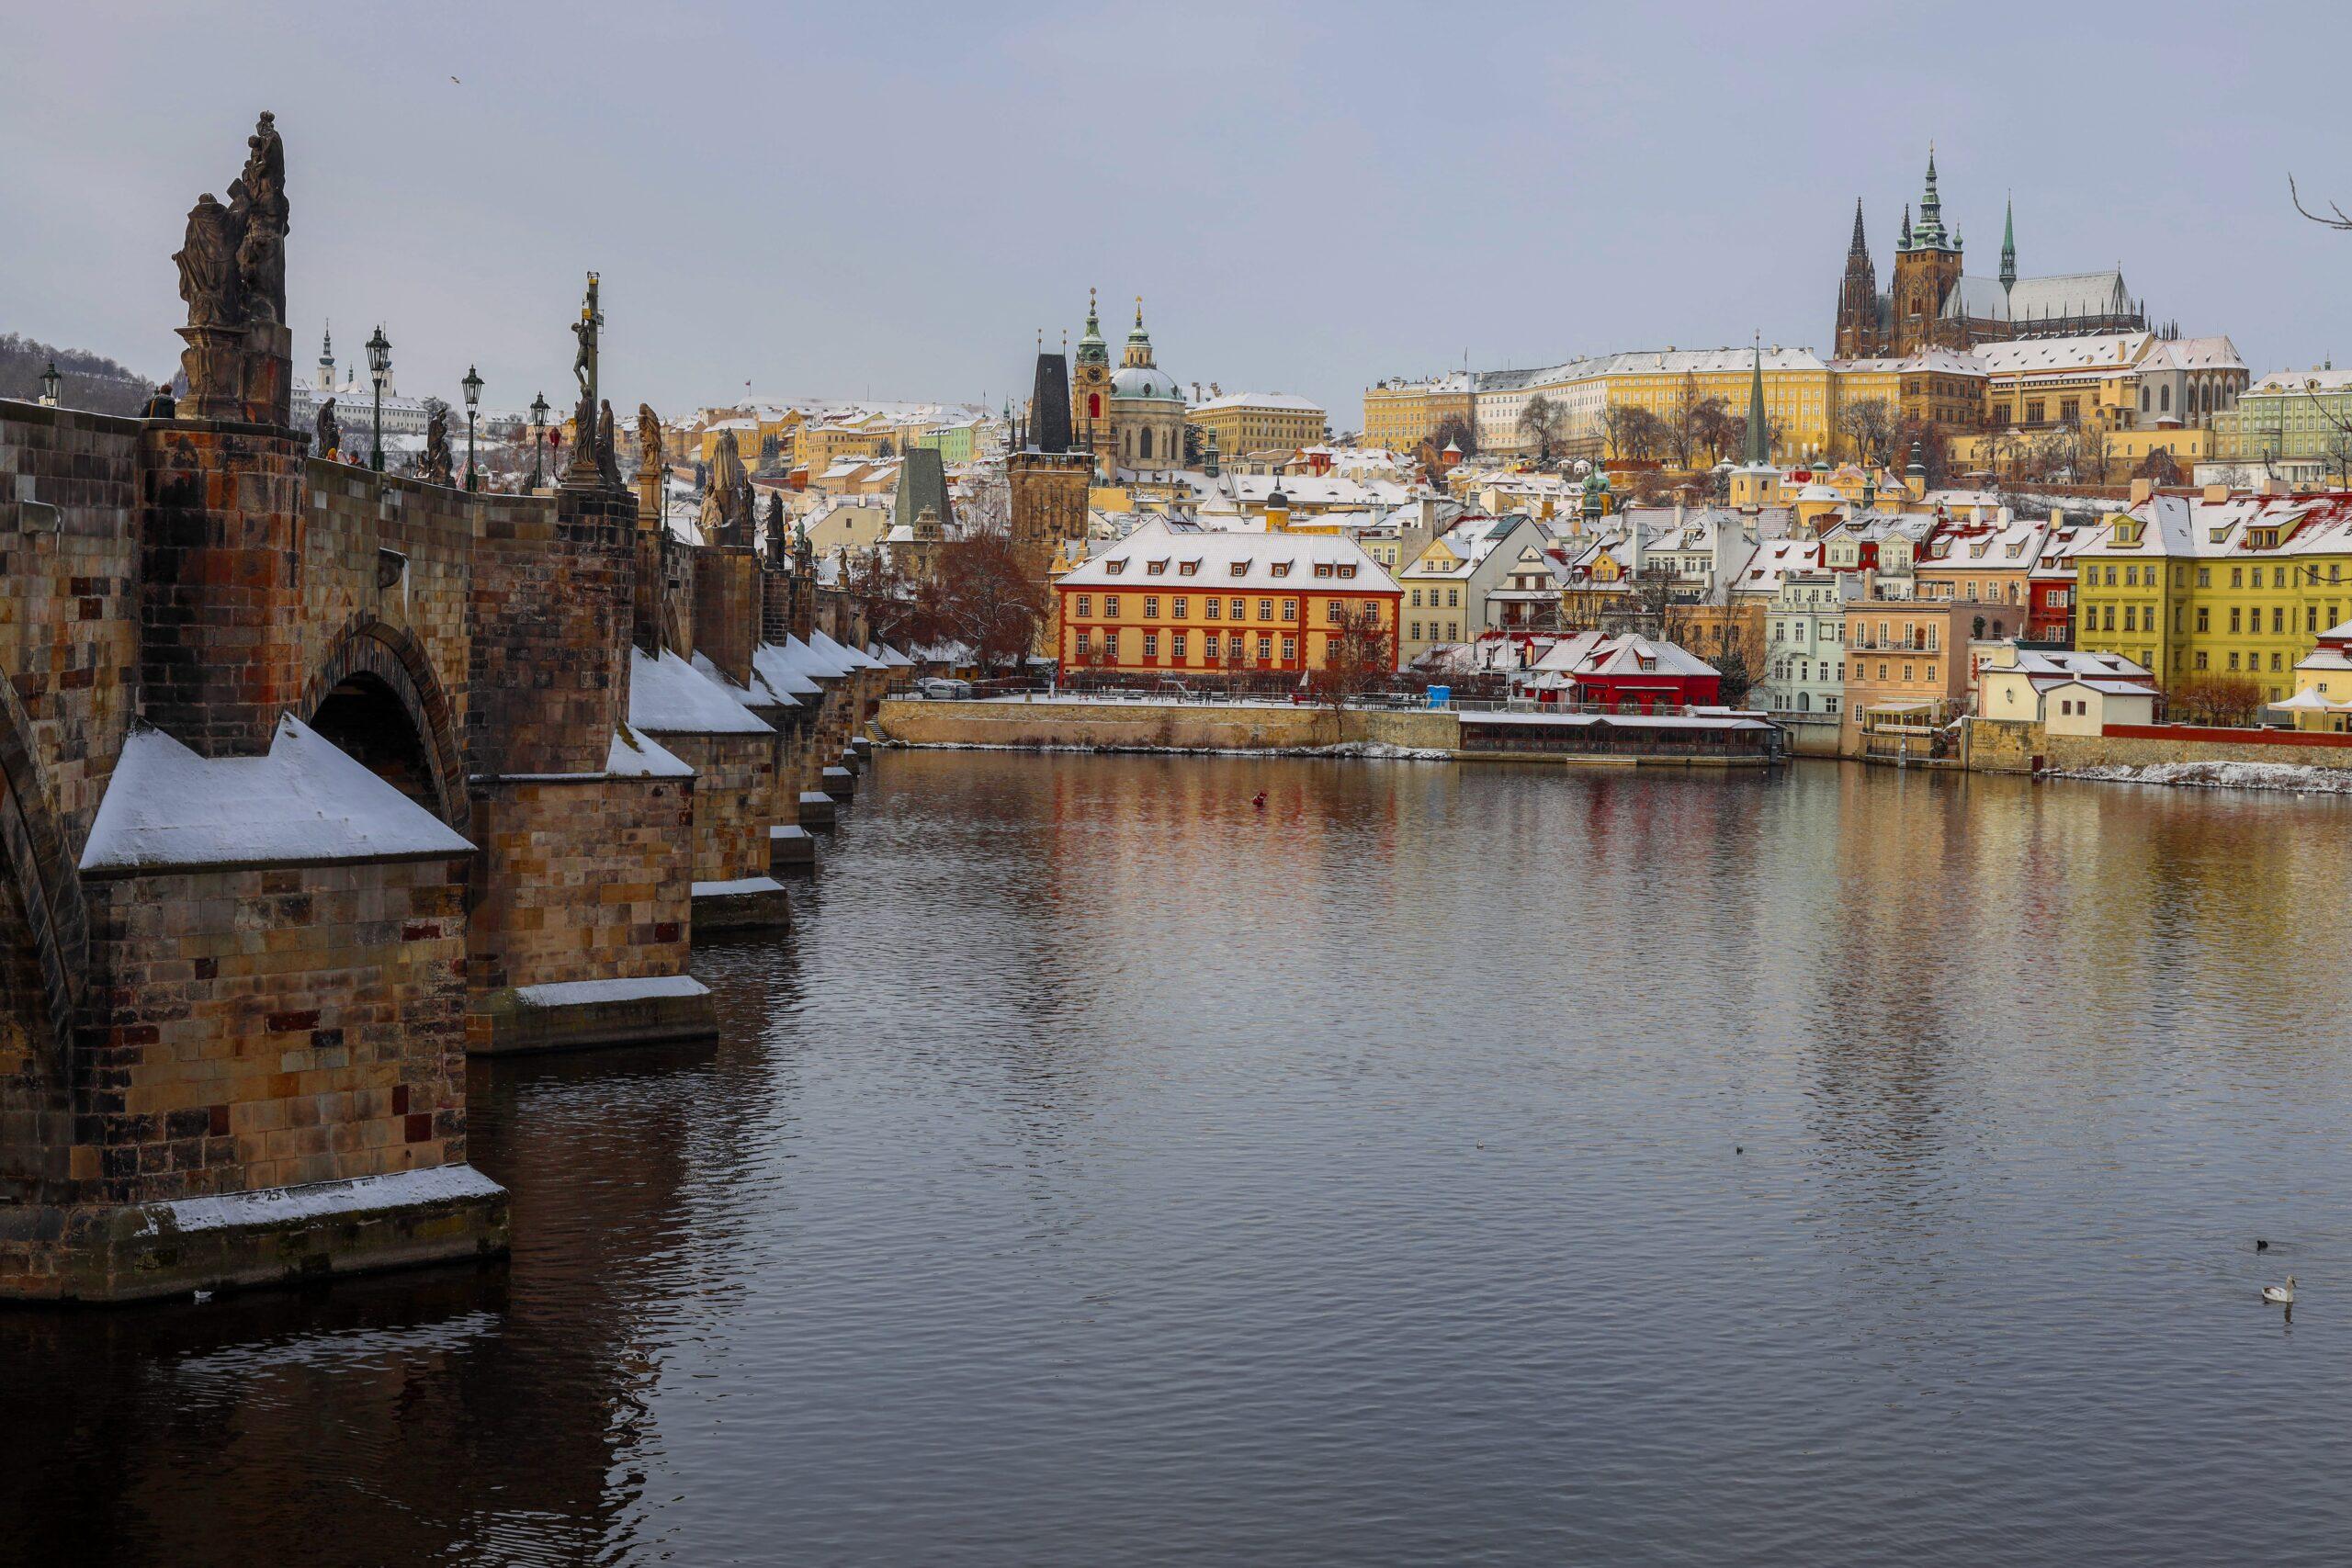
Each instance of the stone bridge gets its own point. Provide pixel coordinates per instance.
(313, 781)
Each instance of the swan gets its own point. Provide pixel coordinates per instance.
(2282, 1294)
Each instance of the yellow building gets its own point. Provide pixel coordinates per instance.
(1400, 415)
(1254, 422)
(2217, 582)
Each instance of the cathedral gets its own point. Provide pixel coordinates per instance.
(1129, 418)
(1934, 304)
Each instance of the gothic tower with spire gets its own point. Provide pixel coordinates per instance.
(1858, 335)
(1927, 268)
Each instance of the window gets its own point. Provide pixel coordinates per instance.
(1239, 611)
(2204, 577)
(1290, 650)
(1151, 645)
(1417, 632)
(1346, 572)
(1907, 671)
(1417, 598)
(2200, 659)
(2233, 660)
(2110, 618)
(1115, 567)
(1111, 605)
(1182, 606)
(1265, 609)
(2277, 621)
(2204, 619)
(1453, 631)
(1238, 568)
(1188, 568)
(1176, 644)
(1331, 611)
(2130, 617)
(1281, 569)
(1151, 607)
(1208, 647)
(1086, 603)
(2234, 618)
(1210, 606)
(1453, 598)
(2237, 577)
(1322, 568)
(1290, 609)
(1155, 568)
(1265, 649)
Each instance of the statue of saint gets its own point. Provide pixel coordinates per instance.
(257, 199)
(437, 465)
(649, 438)
(330, 432)
(609, 462)
(207, 264)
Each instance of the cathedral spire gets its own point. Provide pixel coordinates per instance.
(2010, 247)
(1931, 233)
(1859, 247)
(1758, 436)
(1904, 243)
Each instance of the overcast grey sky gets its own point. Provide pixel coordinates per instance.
(858, 198)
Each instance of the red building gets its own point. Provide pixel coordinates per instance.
(1626, 673)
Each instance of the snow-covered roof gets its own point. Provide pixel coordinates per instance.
(634, 755)
(760, 694)
(1287, 402)
(167, 808)
(852, 659)
(669, 696)
(1208, 562)
(781, 668)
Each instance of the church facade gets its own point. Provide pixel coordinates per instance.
(1931, 303)
(1131, 417)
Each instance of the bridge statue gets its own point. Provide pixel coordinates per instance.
(233, 274)
(329, 430)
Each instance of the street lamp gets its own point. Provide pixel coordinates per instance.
(379, 370)
(49, 380)
(538, 436)
(472, 384)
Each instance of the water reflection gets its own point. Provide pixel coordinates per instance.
(1444, 1164)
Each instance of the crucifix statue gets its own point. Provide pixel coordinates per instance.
(584, 366)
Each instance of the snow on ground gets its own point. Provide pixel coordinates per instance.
(2292, 776)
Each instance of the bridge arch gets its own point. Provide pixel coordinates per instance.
(378, 697)
(41, 871)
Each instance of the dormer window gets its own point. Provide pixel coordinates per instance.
(1347, 571)
(1115, 567)
(1156, 568)
(1238, 568)
(1322, 568)
(1281, 567)
(1188, 568)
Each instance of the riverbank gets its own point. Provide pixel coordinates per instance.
(1066, 724)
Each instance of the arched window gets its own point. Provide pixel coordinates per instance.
(1144, 440)
(2164, 400)
(1094, 405)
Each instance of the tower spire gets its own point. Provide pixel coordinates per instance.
(1904, 243)
(1930, 232)
(2009, 245)
(1759, 437)
(1859, 248)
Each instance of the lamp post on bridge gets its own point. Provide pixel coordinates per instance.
(538, 437)
(49, 382)
(379, 370)
(472, 384)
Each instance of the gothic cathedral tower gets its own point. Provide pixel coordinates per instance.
(1858, 335)
(1927, 269)
(1050, 474)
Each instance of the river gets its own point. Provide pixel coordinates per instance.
(1435, 1164)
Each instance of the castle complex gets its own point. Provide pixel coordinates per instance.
(1934, 304)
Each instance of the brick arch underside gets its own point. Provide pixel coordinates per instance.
(47, 916)
(395, 657)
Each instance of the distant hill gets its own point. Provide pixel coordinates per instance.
(87, 380)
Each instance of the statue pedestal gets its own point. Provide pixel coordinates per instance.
(268, 374)
(213, 363)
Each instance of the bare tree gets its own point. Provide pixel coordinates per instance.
(2160, 466)
(1358, 655)
(1869, 422)
(1539, 423)
(1685, 421)
(2231, 701)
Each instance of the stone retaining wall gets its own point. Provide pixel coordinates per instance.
(1997, 746)
(1170, 726)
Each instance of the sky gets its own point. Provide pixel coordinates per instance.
(874, 200)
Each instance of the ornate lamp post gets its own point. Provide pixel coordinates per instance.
(379, 370)
(472, 384)
(538, 437)
(49, 380)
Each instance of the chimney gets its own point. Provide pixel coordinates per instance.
(2142, 490)
(2216, 494)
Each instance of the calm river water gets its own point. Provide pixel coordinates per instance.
(1438, 1164)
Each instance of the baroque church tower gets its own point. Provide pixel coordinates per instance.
(1090, 388)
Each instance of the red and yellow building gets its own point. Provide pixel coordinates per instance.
(1173, 599)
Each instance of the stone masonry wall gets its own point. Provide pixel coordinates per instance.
(69, 565)
(552, 607)
(1222, 727)
(272, 1027)
(727, 608)
(734, 801)
(584, 880)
